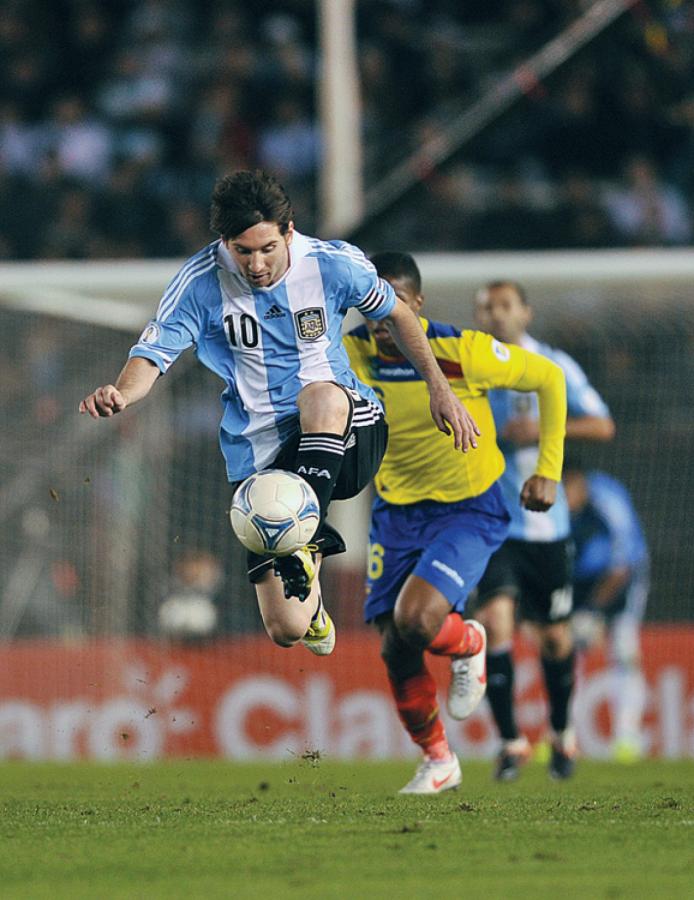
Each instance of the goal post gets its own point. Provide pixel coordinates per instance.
(121, 581)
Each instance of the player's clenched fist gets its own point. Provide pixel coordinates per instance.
(104, 401)
(538, 494)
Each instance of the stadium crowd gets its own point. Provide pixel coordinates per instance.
(117, 117)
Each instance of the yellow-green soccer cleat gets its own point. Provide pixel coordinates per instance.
(627, 751)
(320, 637)
(297, 571)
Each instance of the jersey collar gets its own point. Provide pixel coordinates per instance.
(299, 247)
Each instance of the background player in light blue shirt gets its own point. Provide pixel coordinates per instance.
(611, 581)
(263, 306)
(532, 569)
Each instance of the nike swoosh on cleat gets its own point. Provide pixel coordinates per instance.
(438, 784)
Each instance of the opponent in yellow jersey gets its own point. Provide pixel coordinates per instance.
(439, 513)
(421, 463)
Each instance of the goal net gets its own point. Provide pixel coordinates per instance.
(128, 627)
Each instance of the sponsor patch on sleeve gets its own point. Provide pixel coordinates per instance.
(501, 351)
(150, 334)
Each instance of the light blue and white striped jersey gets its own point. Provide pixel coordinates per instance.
(607, 531)
(582, 400)
(266, 343)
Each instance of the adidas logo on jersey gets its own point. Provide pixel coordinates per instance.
(274, 312)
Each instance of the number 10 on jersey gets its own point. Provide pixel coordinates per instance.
(242, 330)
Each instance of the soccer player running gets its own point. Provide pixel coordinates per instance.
(263, 305)
(438, 514)
(533, 568)
(611, 582)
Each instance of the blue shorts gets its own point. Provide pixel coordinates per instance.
(446, 544)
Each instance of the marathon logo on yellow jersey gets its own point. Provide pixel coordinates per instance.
(382, 370)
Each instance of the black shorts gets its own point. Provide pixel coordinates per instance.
(366, 437)
(538, 575)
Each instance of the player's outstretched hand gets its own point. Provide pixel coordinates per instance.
(538, 493)
(450, 415)
(104, 401)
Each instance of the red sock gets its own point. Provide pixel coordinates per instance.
(418, 708)
(456, 638)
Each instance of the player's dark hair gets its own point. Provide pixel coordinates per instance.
(244, 199)
(506, 282)
(392, 264)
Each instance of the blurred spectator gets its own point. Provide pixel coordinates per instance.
(82, 145)
(71, 233)
(189, 612)
(580, 220)
(573, 123)
(221, 132)
(90, 39)
(646, 210)
(127, 226)
(133, 93)
(513, 222)
(21, 143)
(187, 91)
(189, 230)
(289, 145)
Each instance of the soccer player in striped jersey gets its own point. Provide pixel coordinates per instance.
(438, 514)
(263, 306)
(611, 583)
(533, 568)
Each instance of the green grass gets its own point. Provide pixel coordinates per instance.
(327, 830)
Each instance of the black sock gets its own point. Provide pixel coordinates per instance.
(559, 680)
(500, 693)
(319, 459)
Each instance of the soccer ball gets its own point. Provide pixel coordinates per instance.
(274, 512)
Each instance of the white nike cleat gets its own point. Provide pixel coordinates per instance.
(434, 776)
(468, 679)
(320, 637)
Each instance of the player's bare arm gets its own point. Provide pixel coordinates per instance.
(609, 587)
(538, 493)
(590, 428)
(134, 382)
(524, 431)
(446, 410)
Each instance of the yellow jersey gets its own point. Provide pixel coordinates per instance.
(421, 463)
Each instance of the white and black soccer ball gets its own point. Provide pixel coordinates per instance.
(274, 512)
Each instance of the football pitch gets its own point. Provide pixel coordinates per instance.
(315, 829)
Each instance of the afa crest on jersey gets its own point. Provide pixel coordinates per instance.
(310, 323)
